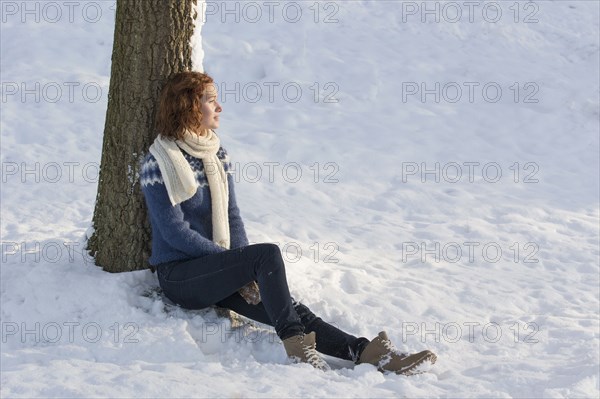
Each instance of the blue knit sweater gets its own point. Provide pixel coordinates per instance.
(184, 231)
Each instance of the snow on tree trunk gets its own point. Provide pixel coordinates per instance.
(153, 39)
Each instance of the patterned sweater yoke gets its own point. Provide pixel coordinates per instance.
(184, 231)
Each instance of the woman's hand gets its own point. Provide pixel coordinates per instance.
(251, 293)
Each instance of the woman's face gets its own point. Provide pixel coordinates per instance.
(210, 108)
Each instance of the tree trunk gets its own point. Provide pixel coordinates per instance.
(151, 42)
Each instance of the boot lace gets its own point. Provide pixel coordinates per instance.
(387, 344)
(391, 352)
(314, 359)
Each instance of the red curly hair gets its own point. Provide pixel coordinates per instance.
(180, 104)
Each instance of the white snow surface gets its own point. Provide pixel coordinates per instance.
(497, 274)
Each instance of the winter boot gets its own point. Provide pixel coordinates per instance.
(302, 349)
(381, 353)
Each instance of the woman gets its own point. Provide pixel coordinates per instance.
(199, 244)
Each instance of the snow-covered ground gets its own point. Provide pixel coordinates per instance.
(436, 179)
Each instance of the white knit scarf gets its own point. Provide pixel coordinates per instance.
(180, 180)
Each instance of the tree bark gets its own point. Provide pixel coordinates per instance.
(151, 42)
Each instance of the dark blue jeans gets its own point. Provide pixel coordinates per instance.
(216, 279)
